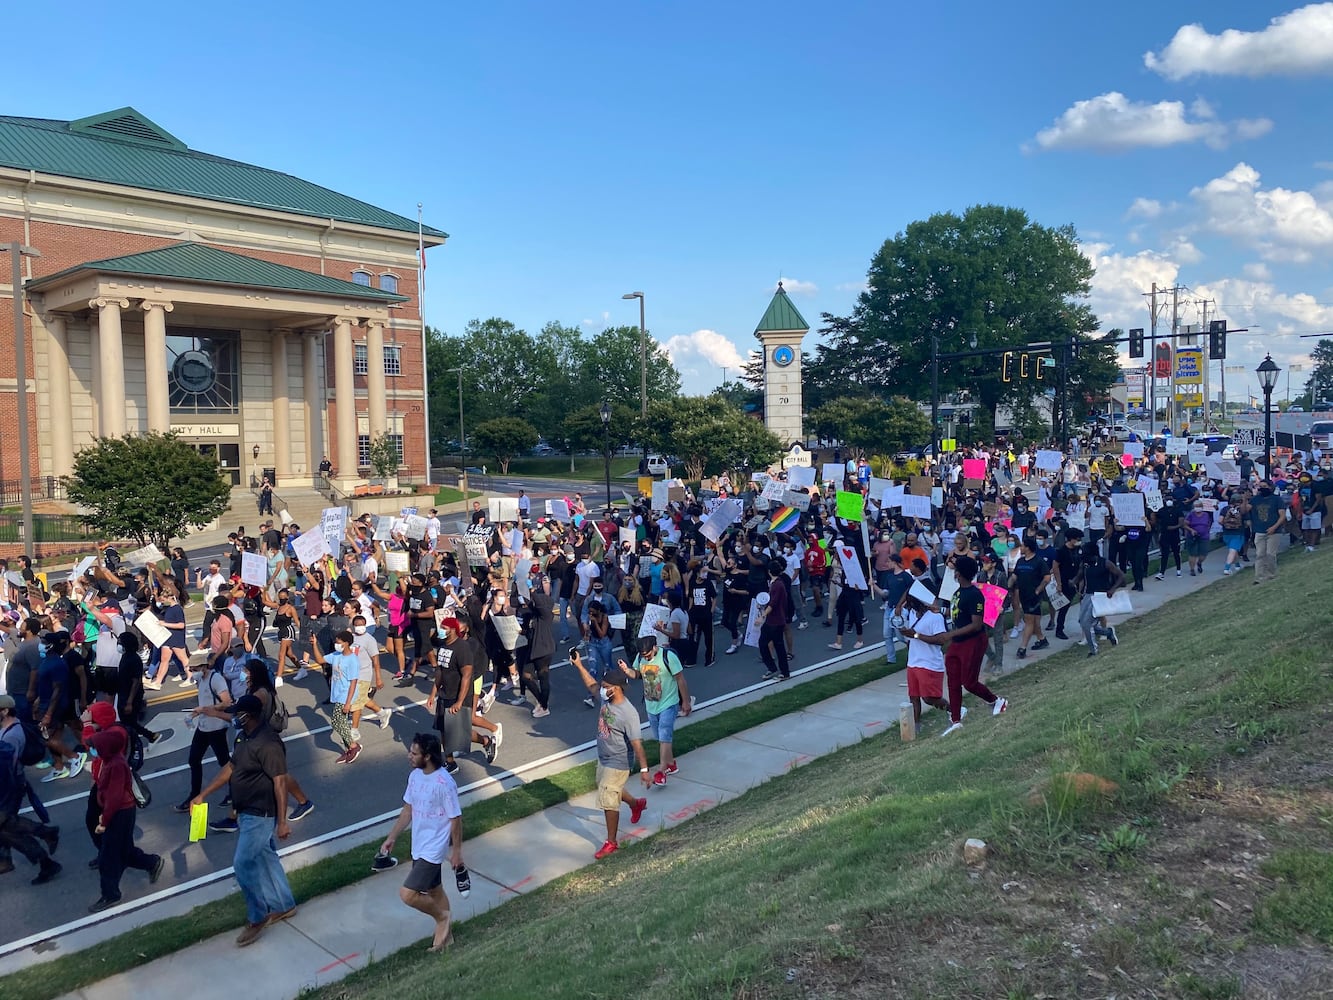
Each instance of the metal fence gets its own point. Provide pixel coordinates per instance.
(43, 488)
(46, 528)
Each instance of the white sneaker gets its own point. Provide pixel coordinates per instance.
(1177, 572)
(805, 625)
(1014, 632)
(488, 699)
(1000, 705)
(301, 674)
(499, 734)
(1158, 576)
(540, 713)
(356, 736)
(732, 648)
(185, 682)
(277, 682)
(952, 729)
(383, 718)
(152, 686)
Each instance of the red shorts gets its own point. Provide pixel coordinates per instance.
(923, 683)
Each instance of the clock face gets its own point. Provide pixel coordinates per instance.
(783, 356)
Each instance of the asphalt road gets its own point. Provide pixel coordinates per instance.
(344, 794)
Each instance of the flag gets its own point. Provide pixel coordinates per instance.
(785, 519)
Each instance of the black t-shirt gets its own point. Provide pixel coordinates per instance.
(968, 605)
(1096, 576)
(701, 595)
(417, 602)
(1030, 573)
(450, 659)
(256, 760)
(1168, 519)
(1068, 560)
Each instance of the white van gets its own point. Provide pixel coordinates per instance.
(657, 466)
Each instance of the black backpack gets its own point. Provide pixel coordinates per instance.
(34, 747)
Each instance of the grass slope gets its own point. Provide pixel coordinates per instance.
(843, 878)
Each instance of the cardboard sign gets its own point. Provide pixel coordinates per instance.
(1196, 453)
(727, 513)
(916, 506)
(1134, 449)
(414, 526)
(506, 627)
(1153, 499)
(1177, 446)
(990, 511)
(800, 477)
(503, 509)
(796, 498)
(753, 624)
(852, 572)
(153, 630)
(396, 562)
(833, 472)
(1049, 460)
(558, 509)
(921, 592)
(948, 586)
(310, 547)
(921, 486)
(652, 614)
(974, 468)
(1128, 509)
(851, 506)
(254, 569)
(973, 484)
(994, 597)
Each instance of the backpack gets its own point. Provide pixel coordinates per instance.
(1231, 519)
(277, 715)
(34, 747)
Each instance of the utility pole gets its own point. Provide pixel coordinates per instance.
(1175, 328)
(1207, 366)
(1152, 357)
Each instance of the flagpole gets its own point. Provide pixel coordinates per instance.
(421, 312)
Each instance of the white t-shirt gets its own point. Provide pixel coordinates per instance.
(587, 571)
(367, 648)
(923, 654)
(213, 584)
(434, 801)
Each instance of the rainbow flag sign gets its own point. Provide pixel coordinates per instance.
(784, 519)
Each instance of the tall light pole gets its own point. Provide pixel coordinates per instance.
(17, 251)
(1268, 372)
(462, 466)
(643, 354)
(606, 448)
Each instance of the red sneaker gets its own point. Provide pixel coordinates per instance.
(636, 810)
(659, 779)
(353, 752)
(610, 847)
(672, 768)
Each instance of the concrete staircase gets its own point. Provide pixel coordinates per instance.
(303, 503)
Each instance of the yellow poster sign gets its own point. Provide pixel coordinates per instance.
(1189, 366)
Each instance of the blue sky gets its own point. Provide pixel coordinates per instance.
(699, 152)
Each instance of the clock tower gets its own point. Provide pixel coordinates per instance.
(780, 332)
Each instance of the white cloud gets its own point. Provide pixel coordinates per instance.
(1299, 42)
(1112, 122)
(700, 356)
(1279, 223)
(1184, 251)
(795, 286)
(1144, 208)
(1121, 280)
(1257, 271)
(853, 286)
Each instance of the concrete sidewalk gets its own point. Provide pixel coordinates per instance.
(337, 933)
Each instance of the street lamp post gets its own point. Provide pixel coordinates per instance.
(643, 354)
(462, 466)
(1268, 372)
(606, 447)
(17, 251)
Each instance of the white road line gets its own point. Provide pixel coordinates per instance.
(225, 873)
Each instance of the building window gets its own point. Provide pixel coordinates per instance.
(361, 277)
(389, 283)
(203, 371)
(393, 360)
(363, 449)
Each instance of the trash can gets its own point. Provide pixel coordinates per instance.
(271, 475)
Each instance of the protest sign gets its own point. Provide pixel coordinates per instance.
(1134, 449)
(506, 627)
(285, 517)
(406, 511)
(752, 624)
(893, 497)
(833, 472)
(153, 630)
(1177, 446)
(333, 526)
(383, 528)
(973, 484)
(921, 592)
(660, 495)
(850, 506)
(800, 477)
(877, 487)
(773, 489)
(852, 572)
(921, 486)
(974, 468)
(1153, 499)
(414, 526)
(994, 597)
(1128, 510)
(523, 578)
(617, 621)
(475, 542)
(916, 506)
(310, 546)
(727, 513)
(503, 509)
(254, 569)
(145, 556)
(396, 562)
(626, 536)
(1049, 460)
(652, 614)
(1196, 453)
(559, 509)
(796, 498)
(948, 586)
(937, 496)
(83, 566)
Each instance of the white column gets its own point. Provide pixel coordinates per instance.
(345, 388)
(155, 363)
(111, 358)
(314, 400)
(375, 380)
(58, 394)
(282, 408)
(94, 376)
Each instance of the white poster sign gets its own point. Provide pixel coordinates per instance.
(506, 627)
(1196, 453)
(796, 498)
(396, 561)
(921, 592)
(626, 536)
(727, 513)
(617, 621)
(833, 472)
(1049, 460)
(937, 496)
(753, 624)
(383, 527)
(893, 497)
(153, 630)
(1177, 446)
(333, 526)
(502, 509)
(800, 477)
(84, 565)
(150, 553)
(915, 506)
(414, 526)
(660, 495)
(852, 571)
(310, 546)
(1153, 498)
(1128, 510)
(773, 489)
(1134, 449)
(652, 614)
(254, 569)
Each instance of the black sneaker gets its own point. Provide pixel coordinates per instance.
(102, 904)
(227, 825)
(183, 807)
(1111, 636)
(463, 880)
(451, 766)
(49, 870)
(489, 749)
(156, 873)
(1061, 635)
(1041, 643)
(1022, 654)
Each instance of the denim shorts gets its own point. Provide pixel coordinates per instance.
(663, 724)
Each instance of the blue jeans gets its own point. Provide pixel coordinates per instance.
(893, 639)
(600, 651)
(258, 871)
(562, 616)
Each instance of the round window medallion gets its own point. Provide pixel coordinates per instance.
(194, 371)
(783, 355)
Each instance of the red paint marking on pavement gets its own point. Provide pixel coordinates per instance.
(690, 810)
(522, 882)
(877, 722)
(345, 960)
(798, 761)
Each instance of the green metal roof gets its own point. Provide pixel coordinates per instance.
(124, 147)
(211, 266)
(781, 315)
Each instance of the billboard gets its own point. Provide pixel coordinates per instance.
(1189, 366)
(1134, 387)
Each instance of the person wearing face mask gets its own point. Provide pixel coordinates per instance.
(114, 829)
(1198, 526)
(343, 687)
(210, 731)
(702, 595)
(368, 677)
(288, 624)
(966, 642)
(619, 749)
(1169, 525)
(1268, 516)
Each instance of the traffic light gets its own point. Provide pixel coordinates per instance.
(1136, 342)
(1007, 366)
(1217, 340)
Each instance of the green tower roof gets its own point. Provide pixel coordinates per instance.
(781, 315)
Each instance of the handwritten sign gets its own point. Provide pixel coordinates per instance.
(1177, 446)
(310, 547)
(1049, 460)
(383, 528)
(395, 562)
(1153, 499)
(1134, 449)
(727, 513)
(833, 472)
(937, 496)
(475, 543)
(893, 497)
(773, 489)
(752, 624)
(254, 569)
(333, 526)
(150, 553)
(994, 597)
(652, 614)
(921, 592)
(414, 526)
(852, 572)
(153, 630)
(921, 486)
(506, 627)
(502, 509)
(799, 499)
(1196, 453)
(1128, 509)
(850, 506)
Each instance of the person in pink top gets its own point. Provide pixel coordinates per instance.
(399, 625)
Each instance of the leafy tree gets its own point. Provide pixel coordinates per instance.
(150, 487)
(990, 274)
(504, 437)
(709, 434)
(611, 369)
(582, 428)
(1319, 387)
(383, 454)
(871, 425)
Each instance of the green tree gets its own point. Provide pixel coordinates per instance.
(611, 369)
(871, 426)
(582, 428)
(708, 434)
(150, 487)
(503, 438)
(1319, 387)
(383, 454)
(991, 276)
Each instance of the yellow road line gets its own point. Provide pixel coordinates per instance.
(177, 696)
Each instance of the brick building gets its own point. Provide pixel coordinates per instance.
(241, 307)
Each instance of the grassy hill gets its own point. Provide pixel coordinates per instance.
(1204, 872)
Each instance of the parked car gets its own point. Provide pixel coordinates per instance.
(1217, 444)
(915, 454)
(1295, 409)
(658, 466)
(543, 449)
